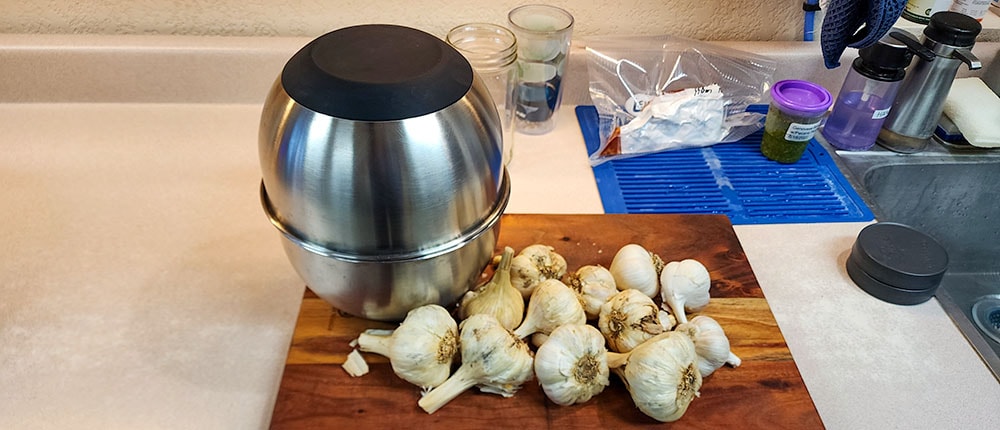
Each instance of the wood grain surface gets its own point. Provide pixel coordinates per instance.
(766, 391)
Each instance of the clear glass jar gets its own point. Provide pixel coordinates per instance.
(492, 52)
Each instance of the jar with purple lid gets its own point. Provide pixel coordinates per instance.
(796, 112)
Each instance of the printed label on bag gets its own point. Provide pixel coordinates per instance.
(881, 113)
(801, 132)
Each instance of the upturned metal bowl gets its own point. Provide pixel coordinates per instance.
(380, 153)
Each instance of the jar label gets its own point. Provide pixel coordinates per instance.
(801, 132)
(881, 113)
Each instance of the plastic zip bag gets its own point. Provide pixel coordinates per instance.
(658, 93)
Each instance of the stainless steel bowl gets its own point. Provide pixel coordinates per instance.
(387, 287)
(380, 153)
(378, 181)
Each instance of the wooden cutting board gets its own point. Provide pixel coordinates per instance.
(766, 391)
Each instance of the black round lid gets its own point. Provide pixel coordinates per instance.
(884, 61)
(900, 256)
(886, 292)
(953, 28)
(377, 72)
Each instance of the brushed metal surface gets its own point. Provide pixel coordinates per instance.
(920, 101)
(381, 187)
(387, 287)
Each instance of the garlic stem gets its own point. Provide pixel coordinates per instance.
(616, 359)
(369, 341)
(733, 360)
(460, 381)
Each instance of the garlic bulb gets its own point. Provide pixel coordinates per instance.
(635, 268)
(493, 359)
(685, 287)
(496, 297)
(423, 347)
(571, 365)
(662, 376)
(628, 319)
(710, 343)
(594, 285)
(552, 304)
(533, 265)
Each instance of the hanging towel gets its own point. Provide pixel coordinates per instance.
(856, 24)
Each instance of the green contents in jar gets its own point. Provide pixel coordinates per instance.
(786, 136)
(775, 147)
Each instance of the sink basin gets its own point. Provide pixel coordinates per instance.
(952, 194)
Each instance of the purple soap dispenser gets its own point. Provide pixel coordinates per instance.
(869, 90)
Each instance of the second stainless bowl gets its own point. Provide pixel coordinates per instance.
(387, 287)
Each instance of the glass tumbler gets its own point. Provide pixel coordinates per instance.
(543, 40)
(492, 52)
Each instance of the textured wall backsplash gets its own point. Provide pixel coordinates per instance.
(699, 19)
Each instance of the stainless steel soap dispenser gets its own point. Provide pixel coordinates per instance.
(920, 101)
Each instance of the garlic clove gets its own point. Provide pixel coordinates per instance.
(633, 267)
(497, 297)
(552, 304)
(355, 365)
(595, 285)
(685, 287)
(628, 319)
(710, 344)
(571, 366)
(534, 264)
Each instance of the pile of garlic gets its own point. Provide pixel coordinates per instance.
(661, 362)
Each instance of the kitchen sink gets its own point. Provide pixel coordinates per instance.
(953, 194)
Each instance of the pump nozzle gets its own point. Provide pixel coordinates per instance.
(913, 45)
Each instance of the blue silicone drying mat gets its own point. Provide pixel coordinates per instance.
(734, 179)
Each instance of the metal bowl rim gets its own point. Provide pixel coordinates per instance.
(422, 254)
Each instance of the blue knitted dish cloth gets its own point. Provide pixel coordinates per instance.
(856, 24)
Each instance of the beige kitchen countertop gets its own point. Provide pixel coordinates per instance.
(142, 286)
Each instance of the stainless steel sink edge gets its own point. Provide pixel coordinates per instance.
(960, 289)
(961, 316)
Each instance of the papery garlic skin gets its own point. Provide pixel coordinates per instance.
(571, 366)
(667, 320)
(662, 376)
(710, 344)
(595, 285)
(496, 297)
(534, 264)
(493, 359)
(633, 267)
(422, 349)
(685, 287)
(628, 319)
(552, 304)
